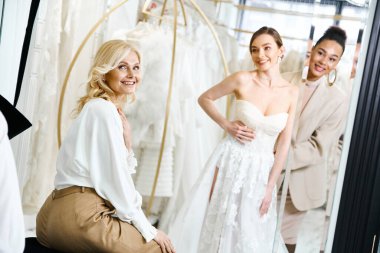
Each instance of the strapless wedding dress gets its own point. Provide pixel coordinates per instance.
(230, 222)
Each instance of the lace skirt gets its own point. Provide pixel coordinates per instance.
(230, 222)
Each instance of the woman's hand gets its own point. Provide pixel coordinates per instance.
(239, 131)
(126, 130)
(163, 240)
(265, 204)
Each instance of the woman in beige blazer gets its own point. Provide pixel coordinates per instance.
(320, 118)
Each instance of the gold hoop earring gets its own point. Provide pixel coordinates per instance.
(332, 78)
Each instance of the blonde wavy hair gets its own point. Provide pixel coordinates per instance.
(108, 57)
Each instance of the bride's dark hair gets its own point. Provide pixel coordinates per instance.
(266, 30)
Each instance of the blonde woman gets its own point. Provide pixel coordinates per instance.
(95, 206)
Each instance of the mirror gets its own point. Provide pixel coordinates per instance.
(306, 230)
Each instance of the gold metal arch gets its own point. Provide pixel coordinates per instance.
(211, 27)
(160, 17)
(168, 103)
(226, 72)
(91, 32)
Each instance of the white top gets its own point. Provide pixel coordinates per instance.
(12, 230)
(93, 154)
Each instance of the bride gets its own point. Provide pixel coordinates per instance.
(232, 207)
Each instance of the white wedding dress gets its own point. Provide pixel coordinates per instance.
(230, 222)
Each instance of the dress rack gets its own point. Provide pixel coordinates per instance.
(168, 100)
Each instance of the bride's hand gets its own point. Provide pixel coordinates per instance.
(126, 129)
(240, 132)
(165, 244)
(265, 204)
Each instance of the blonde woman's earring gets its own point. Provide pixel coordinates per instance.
(331, 78)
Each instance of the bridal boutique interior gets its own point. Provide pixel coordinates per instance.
(186, 47)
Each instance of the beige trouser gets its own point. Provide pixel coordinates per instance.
(76, 219)
(291, 222)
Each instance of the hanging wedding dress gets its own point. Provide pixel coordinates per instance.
(231, 222)
(146, 114)
(199, 134)
(197, 67)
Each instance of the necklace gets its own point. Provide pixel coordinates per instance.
(261, 78)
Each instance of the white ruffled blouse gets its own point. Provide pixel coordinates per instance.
(93, 154)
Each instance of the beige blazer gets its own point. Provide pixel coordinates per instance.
(316, 128)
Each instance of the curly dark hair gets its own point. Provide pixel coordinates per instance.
(334, 33)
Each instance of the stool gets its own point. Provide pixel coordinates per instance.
(33, 246)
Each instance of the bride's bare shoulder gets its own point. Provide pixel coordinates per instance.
(241, 77)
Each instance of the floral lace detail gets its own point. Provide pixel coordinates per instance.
(233, 222)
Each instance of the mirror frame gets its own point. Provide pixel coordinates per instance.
(355, 222)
